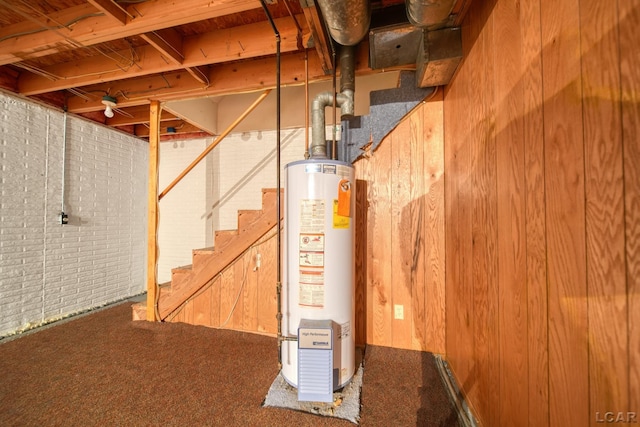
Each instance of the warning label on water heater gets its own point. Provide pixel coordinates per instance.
(312, 213)
(312, 242)
(311, 253)
(311, 264)
(311, 290)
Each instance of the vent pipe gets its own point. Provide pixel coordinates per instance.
(347, 21)
(344, 100)
(432, 14)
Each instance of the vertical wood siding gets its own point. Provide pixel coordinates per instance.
(404, 249)
(542, 159)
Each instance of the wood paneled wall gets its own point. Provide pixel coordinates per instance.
(242, 297)
(542, 190)
(400, 252)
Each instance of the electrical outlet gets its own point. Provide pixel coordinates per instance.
(398, 312)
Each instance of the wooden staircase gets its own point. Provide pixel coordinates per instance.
(208, 263)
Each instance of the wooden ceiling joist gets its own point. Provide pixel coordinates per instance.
(321, 40)
(200, 74)
(165, 55)
(89, 27)
(228, 78)
(111, 9)
(167, 128)
(168, 42)
(137, 115)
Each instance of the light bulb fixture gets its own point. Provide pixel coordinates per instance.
(109, 102)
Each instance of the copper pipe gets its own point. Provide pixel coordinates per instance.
(306, 104)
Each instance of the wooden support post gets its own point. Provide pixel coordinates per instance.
(152, 221)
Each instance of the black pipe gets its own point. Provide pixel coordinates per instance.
(278, 195)
(335, 107)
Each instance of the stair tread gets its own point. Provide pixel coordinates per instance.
(207, 249)
(227, 242)
(229, 246)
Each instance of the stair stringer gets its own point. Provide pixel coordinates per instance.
(211, 266)
(196, 287)
(242, 297)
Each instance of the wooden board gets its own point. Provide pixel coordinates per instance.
(607, 302)
(433, 223)
(361, 263)
(240, 274)
(152, 209)
(250, 291)
(214, 315)
(227, 296)
(202, 307)
(511, 234)
(565, 218)
(187, 312)
(536, 281)
(417, 231)
(380, 278)
(267, 308)
(628, 24)
(457, 329)
(403, 241)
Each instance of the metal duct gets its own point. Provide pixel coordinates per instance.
(344, 100)
(348, 21)
(429, 13)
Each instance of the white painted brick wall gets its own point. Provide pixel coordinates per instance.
(249, 165)
(47, 270)
(183, 222)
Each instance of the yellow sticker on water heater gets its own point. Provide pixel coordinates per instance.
(339, 221)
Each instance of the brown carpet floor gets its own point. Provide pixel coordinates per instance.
(103, 369)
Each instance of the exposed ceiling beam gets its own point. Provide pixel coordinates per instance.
(111, 9)
(229, 78)
(179, 127)
(216, 46)
(200, 74)
(83, 27)
(168, 42)
(321, 40)
(137, 115)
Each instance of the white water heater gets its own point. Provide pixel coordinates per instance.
(319, 271)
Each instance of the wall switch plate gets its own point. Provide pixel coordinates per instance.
(398, 311)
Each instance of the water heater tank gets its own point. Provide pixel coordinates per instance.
(319, 273)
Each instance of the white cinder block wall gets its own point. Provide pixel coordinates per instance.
(230, 178)
(47, 270)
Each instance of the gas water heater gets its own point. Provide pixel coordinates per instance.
(318, 280)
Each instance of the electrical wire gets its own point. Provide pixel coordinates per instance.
(122, 65)
(45, 27)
